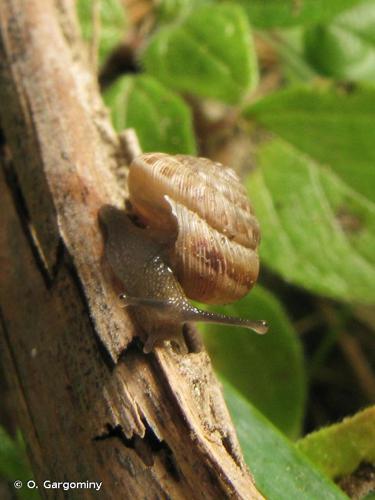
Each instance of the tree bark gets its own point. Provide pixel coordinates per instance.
(91, 405)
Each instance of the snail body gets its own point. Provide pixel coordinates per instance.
(213, 262)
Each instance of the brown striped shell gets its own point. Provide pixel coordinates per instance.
(204, 206)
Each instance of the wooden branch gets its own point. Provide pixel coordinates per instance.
(91, 405)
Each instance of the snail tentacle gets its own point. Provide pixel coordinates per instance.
(199, 315)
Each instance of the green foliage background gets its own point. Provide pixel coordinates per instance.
(312, 188)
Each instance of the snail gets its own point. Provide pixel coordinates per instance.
(193, 217)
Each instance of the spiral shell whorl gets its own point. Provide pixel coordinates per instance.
(205, 206)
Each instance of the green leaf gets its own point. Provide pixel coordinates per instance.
(268, 370)
(14, 464)
(209, 54)
(332, 125)
(161, 118)
(272, 13)
(339, 449)
(289, 45)
(11, 455)
(345, 48)
(111, 27)
(316, 232)
(280, 471)
(172, 10)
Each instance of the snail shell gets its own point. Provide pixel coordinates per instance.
(204, 208)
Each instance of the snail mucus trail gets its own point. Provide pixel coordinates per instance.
(142, 259)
